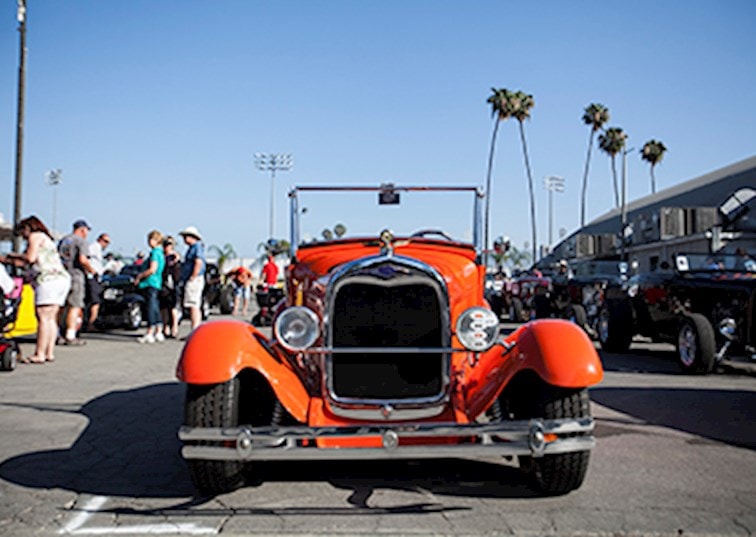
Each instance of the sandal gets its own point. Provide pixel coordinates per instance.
(33, 359)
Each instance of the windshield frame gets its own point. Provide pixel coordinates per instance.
(294, 212)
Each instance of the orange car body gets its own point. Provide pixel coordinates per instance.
(405, 360)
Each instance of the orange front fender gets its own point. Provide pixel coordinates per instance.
(217, 351)
(558, 351)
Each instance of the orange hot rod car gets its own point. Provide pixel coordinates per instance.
(384, 347)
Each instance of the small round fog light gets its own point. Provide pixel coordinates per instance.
(478, 328)
(297, 328)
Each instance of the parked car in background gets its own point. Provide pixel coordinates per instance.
(704, 306)
(122, 305)
(586, 289)
(526, 296)
(384, 347)
(218, 293)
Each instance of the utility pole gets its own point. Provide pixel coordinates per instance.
(21, 15)
(272, 162)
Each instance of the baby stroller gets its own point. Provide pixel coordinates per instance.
(267, 298)
(10, 298)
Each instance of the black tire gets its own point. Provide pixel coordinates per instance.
(696, 344)
(516, 311)
(541, 307)
(133, 316)
(615, 327)
(226, 300)
(576, 313)
(9, 358)
(215, 405)
(558, 474)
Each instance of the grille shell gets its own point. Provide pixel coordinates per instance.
(394, 304)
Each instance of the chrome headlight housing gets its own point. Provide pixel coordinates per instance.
(478, 328)
(297, 328)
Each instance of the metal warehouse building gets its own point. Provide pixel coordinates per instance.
(712, 213)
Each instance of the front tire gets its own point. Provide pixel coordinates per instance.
(516, 310)
(615, 327)
(215, 405)
(696, 345)
(9, 358)
(576, 314)
(558, 474)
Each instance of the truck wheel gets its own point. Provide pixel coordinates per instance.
(696, 344)
(9, 358)
(516, 313)
(615, 328)
(560, 473)
(134, 316)
(214, 405)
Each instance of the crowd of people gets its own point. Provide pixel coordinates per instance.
(67, 277)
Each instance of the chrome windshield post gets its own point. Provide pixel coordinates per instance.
(294, 222)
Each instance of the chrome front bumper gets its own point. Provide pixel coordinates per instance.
(526, 437)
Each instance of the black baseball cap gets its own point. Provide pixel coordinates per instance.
(81, 223)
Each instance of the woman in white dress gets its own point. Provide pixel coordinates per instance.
(50, 280)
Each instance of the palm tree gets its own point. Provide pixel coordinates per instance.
(339, 230)
(653, 152)
(611, 142)
(224, 254)
(596, 115)
(521, 104)
(500, 111)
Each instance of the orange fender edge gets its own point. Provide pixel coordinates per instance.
(218, 351)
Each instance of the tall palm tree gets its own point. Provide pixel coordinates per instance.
(500, 111)
(224, 254)
(596, 115)
(653, 152)
(612, 142)
(521, 104)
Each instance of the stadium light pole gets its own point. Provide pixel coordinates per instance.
(53, 179)
(273, 162)
(552, 183)
(21, 15)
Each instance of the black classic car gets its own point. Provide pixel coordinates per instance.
(586, 288)
(704, 306)
(122, 305)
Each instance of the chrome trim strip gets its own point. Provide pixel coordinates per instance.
(524, 437)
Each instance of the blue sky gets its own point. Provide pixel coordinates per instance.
(154, 109)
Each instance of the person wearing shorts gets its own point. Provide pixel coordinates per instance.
(73, 251)
(242, 279)
(193, 274)
(51, 283)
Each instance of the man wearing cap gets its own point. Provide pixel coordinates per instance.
(193, 274)
(73, 251)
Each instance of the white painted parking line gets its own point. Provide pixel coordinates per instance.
(148, 529)
(86, 512)
(74, 526)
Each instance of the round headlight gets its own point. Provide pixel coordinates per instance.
(297, 328)
(478, 328)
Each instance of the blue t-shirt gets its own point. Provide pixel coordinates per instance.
(196, 251)
(156, 278)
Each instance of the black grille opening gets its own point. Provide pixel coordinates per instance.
(376, 316)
